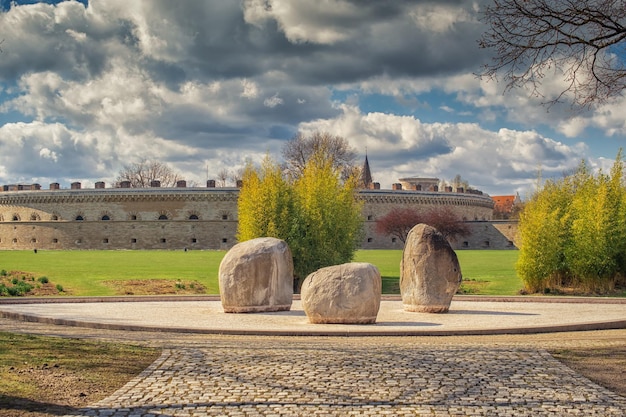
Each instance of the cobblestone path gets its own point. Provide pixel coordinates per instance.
(345, 377)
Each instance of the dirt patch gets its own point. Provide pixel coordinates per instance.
(472, 286)
(604, 366)
(22, 283)
(155, 287)
(46, 376)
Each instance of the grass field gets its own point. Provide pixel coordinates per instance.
(85, 273)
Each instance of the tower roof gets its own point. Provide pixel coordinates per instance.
(366, 174)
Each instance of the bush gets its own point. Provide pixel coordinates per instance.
(317, 213)
(573, 233)
(43, 280)
(59, 288)
(3, 273)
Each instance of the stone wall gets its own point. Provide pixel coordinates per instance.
(196, 218)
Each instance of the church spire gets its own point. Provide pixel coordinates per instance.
(366, 174)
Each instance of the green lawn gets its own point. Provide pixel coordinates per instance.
(486, 272)
(82, 272)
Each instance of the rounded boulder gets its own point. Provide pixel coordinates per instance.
(430, 273)
(344, 294)
(257, 276)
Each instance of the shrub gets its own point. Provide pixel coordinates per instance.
(3, 273)
(59, 288)
(43, 280)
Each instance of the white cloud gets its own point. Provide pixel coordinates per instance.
(405, 146)
(273, 101)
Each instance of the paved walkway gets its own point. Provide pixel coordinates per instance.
(202, 374)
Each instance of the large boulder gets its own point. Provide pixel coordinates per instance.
(430, 273)
(257, 276)
(347, 294)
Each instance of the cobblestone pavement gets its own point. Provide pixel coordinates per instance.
(282, 376)
(212, 375)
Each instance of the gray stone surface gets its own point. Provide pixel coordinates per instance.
(201, 375)
(430, 273)
(371, 377)
(348, 294)
(257, 276)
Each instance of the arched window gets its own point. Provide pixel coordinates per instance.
(193, 217)
(106, 217)
(163, 217)
(79, 218)
(16, 218)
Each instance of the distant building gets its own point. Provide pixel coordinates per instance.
(504, 205)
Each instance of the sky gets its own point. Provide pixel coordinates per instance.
(88, 87)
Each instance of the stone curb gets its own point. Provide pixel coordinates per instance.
(166, 298)
(321, 331)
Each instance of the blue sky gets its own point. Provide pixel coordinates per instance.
(86, 87)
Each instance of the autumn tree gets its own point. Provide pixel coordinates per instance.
(316, 213)
(265, 202)
(327, 227)
(399, 221)
(573, 232)
(141, 174)
(336, 149)
(447, 222)
(583, 41)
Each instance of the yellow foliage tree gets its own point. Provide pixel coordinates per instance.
(317, 213)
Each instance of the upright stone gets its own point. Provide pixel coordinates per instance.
(257, 276)
(347, 294)
(430, 273)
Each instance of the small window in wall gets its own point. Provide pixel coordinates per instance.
(33, 240)
(510, 244)
(14, 240)
(224, 216)
(163, 217)
(224, 240)
(194, 240)
(163, 240)
(370, 240)
(466, 244)
(133, 217)
(393, 240)
(16, 218)
(105, 240)
(105, 217)
(79, 241)
(370, 217)
(486, 243)
(34, 217)
(133, 240)
(79, 218)
(54, 217)
(193, 217)
(55, 240)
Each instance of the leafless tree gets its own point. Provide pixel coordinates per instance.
(142, 173)
(299, 150)
(583, 40)
(236, 175)
(222, 176)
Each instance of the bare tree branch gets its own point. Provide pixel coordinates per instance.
(142, 173)
(301, 148)
(582, 40)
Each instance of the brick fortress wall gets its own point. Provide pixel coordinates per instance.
(197, 218)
